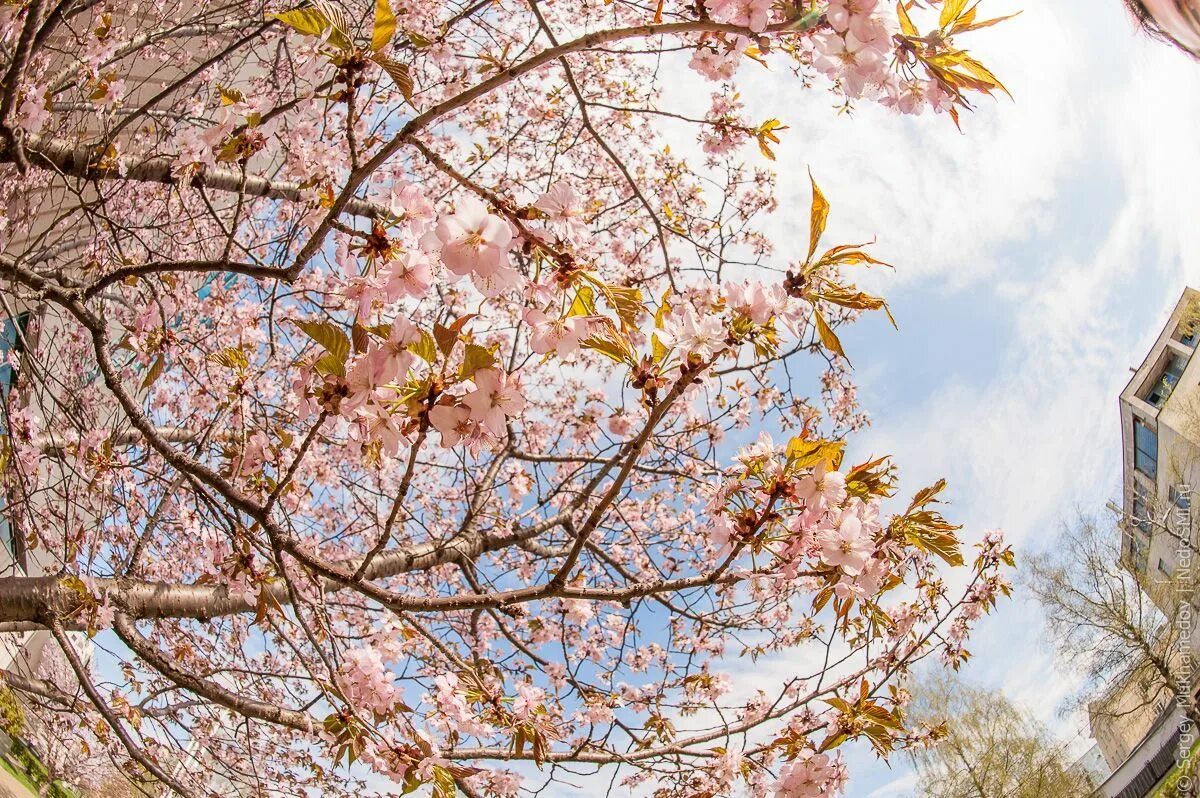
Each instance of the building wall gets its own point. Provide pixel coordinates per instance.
(1120, 719)
(1159, 527)
(1160, 533)
(56, 228)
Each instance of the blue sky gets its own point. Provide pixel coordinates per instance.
(1037, 257)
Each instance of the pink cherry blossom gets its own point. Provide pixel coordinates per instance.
(856, 62)
(823, 488)
(693, 334)
(473, 241)
(454, 422)
(845, 546)
(310, 503)
(551, 334)
(496, 399)
(559, 203)
(808, 776)
(754, 14)
(409, 275)
(717, 58)
(367, 682)
(755, 300)
(851, 15)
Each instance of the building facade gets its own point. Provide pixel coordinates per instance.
(1160, 441)
(1137, 724)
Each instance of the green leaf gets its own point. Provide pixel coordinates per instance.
(385, 25)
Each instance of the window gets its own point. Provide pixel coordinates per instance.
(1162, 566)
(1167, 381)
(1180, 496)
(1189, 329)
(12, 336)
(1136, 552)
(1141, 508)
(8, 535)
(205, 290)
(1145, 448)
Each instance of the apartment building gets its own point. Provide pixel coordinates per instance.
(1160, 441)
(1137, 724)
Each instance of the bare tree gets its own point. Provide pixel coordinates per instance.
(1103, 617)
(984, 746)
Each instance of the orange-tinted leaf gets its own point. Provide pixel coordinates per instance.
(385, 25)
(829, 338)
(818, 218)
(987, 23)
(399, 73)
(951, 9)
(906, 25)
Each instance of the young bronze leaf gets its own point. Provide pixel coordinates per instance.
(584, 303)
(316, 21)
(625, 300)
(906, 25)
(965, 27)
(329, 336)
(803, 453)
(425, 348)
(308, 21)
(829, 338)
(399, 74)
(611, 344)
(951, 9)
(475, 357)
(818, 218)
(385, 25)
(154, 372)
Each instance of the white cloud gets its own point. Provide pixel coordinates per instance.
(898, 786)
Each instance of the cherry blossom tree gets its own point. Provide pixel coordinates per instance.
(399, 405)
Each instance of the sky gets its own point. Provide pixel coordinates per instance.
(1038, 254)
